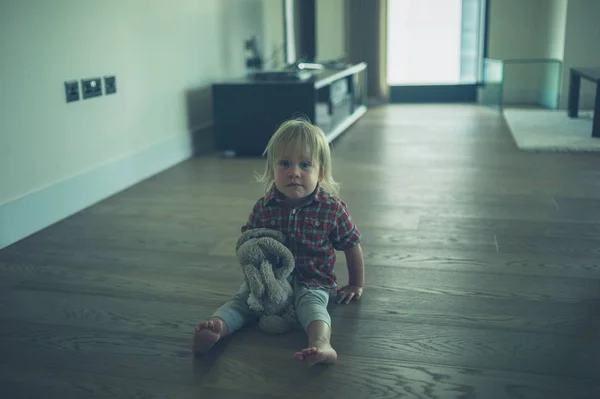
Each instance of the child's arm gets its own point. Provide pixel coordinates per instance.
(356, 275)
(356, 266)
(346, 237)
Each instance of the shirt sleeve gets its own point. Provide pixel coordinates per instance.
(345, 233)
(252, 222)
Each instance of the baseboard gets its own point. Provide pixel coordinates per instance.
(586, 100)
(34, 212)
(521, 96)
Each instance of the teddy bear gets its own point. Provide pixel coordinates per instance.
(266, 264)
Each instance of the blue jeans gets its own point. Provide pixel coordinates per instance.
(311, 305)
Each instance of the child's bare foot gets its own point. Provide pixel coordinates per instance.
(320, 353)
(206, 334)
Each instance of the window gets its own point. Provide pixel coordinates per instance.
(435, 42)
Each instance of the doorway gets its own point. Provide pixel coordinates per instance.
(435, 49)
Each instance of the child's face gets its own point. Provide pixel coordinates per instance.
(296, 176)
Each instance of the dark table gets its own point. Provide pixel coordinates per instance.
(247, 110)
(592, 74)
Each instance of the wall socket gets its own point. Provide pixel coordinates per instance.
(91, 87)
(72, 91)
(110, 84)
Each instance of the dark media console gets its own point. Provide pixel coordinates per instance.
(248, 110)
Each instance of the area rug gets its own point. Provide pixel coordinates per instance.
(551, 130)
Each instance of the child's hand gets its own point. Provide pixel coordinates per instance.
(349, 292)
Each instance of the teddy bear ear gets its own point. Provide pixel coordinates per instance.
(245, 236)
(260, 233)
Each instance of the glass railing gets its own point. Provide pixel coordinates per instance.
(490, 92)
(532, 82)
(521, 83)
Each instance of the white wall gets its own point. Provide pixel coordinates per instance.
(330, 29)
(58, 157)
(581, 46)
(273, 41)
(557, 20)
(164, 54)
(517, 28)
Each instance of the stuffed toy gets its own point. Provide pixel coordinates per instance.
(266, 263)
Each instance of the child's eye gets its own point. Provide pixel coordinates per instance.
(305, 165)
(284, 164)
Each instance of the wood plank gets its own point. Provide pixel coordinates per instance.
(441, 306)
(57, 383)
(534, 244)
(236, 368)
(450, 346)
(372, 377)
(399, 238)
(126, 315)
(177, 288)
(513, 227)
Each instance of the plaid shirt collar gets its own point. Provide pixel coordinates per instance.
(275, 196)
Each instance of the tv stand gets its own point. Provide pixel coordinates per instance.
(248, 110)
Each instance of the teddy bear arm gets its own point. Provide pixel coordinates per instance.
(254, 280)
(281, 272)
(287, 268)
(272, 287)
(283, 254)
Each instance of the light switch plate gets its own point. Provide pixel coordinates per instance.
(72, 91)
(110, 84)
(91, 87)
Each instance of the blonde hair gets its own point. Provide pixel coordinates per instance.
(299, 135)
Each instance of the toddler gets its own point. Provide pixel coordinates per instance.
(301, 202)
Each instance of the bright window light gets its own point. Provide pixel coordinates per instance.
(424, 42)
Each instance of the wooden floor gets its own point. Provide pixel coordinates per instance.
(482, 271)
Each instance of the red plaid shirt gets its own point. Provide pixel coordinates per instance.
(314, 232)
